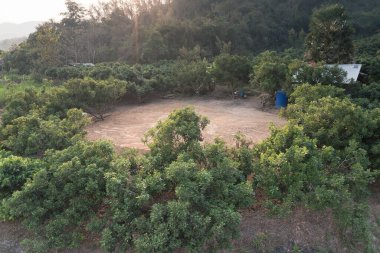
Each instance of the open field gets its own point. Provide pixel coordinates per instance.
(127, 124)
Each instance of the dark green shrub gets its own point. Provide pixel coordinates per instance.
(93, 96)
(188, 205)
(194, 78)
(15, 171)
(332, 121)
(62, 197)
(180, 133)
(302, 72)
(20, 104)
(100, 72)
(36, 132)
(231, 70)
(270, 73)
(66, 73)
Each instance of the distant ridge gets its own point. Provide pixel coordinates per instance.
(12, 30)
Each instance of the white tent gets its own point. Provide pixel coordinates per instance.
(352, 71)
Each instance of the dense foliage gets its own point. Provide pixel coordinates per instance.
(63, 195)
(184, 194)
(329, 39)
(150, 31)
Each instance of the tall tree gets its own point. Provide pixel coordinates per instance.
(72, 27)
(330, 34)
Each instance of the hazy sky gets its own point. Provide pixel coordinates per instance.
(18, 11)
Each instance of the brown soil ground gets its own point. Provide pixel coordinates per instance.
(127, 124)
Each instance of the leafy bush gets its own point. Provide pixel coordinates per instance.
(332, 121)
(366, 95)
(189, 201)
(125, 72)
(292, 169)
(231, 70)
(100, 72)
(94, 97)
(270, 73)
(140, 89)
(302, 72)
(64, 73)
(62, 197)
(15, 171)
(36, 132)
(20, 104)
(180, 133)
(304, 94)
(194, 78)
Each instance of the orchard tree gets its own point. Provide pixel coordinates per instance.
(270, 72)
(194, 77)
(62, 196)
(329, 39)
(37, 131)
(184, 196)
(231, 70)
(332, 121)
(15, 171)
(95, 96)
(180, 133)
(292, 169)
(46, 43)
(302, 72)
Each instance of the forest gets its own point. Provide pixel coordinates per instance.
(185, 195)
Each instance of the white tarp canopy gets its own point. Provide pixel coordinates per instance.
(352, 71)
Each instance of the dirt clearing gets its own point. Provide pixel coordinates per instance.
(127, 124)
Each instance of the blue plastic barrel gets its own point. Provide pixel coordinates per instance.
(281, 99)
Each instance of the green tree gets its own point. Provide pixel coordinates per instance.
(37, 132)
(270, 73)
(63, 196)
(291, 168)
(95, 96)
(20, 103)
(46, 44)
(183, 196)
(180, 133)
(302, 72)
(329, 39)
(15, 171)
(71, 28)
(231, 70)
(194, 77)
(332, 121)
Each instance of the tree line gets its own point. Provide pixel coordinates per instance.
(148, 31)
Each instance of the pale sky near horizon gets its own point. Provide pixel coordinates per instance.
(19, 11)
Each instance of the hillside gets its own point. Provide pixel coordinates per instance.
(151, 31)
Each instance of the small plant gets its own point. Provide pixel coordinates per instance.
(260, 242)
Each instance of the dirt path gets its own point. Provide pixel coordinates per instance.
(127, 124)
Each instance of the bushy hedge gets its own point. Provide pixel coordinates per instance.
(15, 171)
(63, 196)
(188, 202)
(292, 169)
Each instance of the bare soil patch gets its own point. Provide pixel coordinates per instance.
(127, 124)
